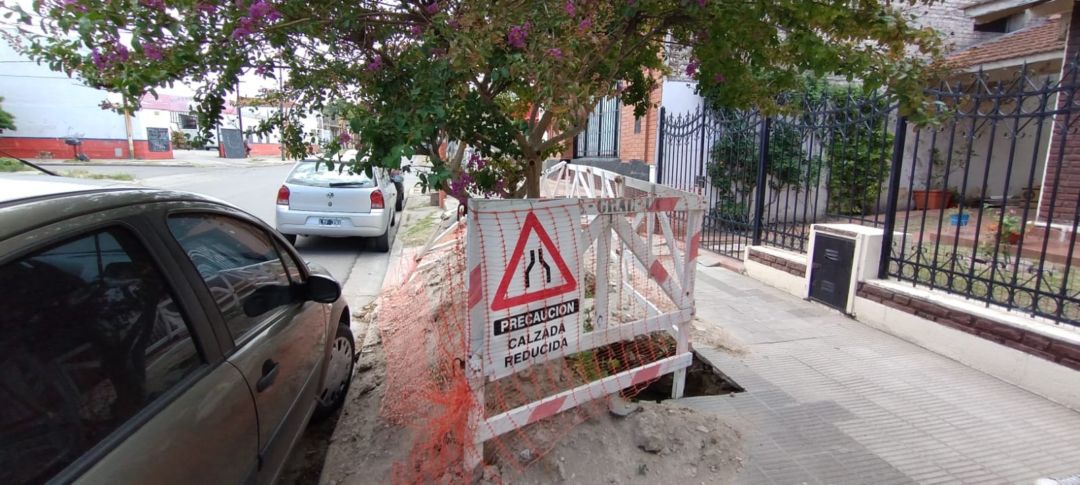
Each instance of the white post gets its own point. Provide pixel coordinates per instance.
(682, 336)
(474, 366)
(603, 259)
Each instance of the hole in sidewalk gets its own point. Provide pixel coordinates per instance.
(702, 379)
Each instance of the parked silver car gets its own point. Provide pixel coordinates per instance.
(150, 336)
(320, 199)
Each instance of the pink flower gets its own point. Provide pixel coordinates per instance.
(153, 52)
(692, 67)
(584, 25)
(121, 53)
(701, 3)
(517, 35)
(244, 27)
(263, 70)
(375, 64)
(432, 8)
(107, 59)
(344, 137)
(555, 53)
(570, 8)
(416, 30)
(206, 8)
(98, 59)
(263, 10)
(155, 4)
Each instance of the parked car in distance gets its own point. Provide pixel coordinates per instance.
(150, 336)
(321, 199)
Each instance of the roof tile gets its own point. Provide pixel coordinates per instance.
(1037, 39)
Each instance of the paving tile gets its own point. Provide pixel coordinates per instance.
(830, 400)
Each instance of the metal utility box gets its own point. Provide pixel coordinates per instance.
(841, 255)
(830, 270)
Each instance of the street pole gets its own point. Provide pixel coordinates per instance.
(281, 112)
(240, 118)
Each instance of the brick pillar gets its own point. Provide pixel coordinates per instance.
(652, 119)
(631, 145)
(1064, 146)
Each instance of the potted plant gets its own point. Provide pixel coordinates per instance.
(936, 196)
(1008, 231)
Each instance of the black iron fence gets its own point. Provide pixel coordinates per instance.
(601, 135)
(985, 212)
(827, 163)
(983, 203)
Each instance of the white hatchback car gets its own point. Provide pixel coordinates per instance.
(319, 201)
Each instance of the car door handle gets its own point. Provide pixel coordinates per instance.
(269, 373)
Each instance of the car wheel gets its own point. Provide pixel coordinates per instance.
(338, 373)
(400, 197)
(382, 243)
(291, 238)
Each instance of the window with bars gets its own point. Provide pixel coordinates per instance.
(601, 135)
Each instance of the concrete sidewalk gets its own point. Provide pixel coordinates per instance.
(830, 400)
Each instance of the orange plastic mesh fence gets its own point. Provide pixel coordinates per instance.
(425, 328)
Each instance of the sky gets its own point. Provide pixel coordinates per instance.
(12, 64)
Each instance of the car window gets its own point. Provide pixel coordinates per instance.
(319, 174)
(292, 267)
(240, 266)
(89, 336)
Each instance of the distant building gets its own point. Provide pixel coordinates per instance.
(50, 108)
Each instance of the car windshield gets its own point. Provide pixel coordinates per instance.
(317, 173)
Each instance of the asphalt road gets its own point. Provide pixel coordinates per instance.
(254, 189)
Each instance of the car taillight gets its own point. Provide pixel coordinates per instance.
(283, 196)
(377, 200)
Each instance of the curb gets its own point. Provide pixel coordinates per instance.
(352, 284)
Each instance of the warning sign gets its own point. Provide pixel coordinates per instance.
(532, 267)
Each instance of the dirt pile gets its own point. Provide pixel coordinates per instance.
(660, 442)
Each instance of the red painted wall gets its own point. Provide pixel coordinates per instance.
(96, 149)
(264, 149)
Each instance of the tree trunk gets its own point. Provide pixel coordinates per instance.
(533, 171)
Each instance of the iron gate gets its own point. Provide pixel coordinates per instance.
(767, 179)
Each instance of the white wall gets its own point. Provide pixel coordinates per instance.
(1053, 381)
(678, 97)
(149, 118)
(991, 145)
(48, 104)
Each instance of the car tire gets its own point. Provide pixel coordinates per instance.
(400, 206)
(291, 238)
(382, 243)
(339, 373)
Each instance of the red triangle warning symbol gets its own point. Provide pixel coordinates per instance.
(547, 250)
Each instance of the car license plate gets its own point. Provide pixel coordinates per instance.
(329, 221)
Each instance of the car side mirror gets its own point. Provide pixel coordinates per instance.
(322, 289)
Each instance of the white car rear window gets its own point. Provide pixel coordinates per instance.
(316, 173)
